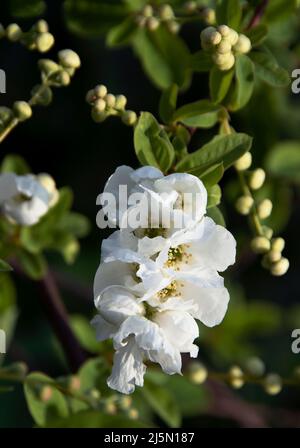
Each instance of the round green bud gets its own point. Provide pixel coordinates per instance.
(98, 116)
(267, 231)
(13, 32)
(257, 179)
(280, 267)
(191, 7)
(152, 23)
(48, 66)
(210, 36)
(110, 100)
(22, 110)
(69, 59)
(110, 408)
(90, 96)
(228, 64)
(44, 42)
(6, 114)
(129, 117)
(236, 377)
(173, 27)
(244, 162)
(260, 245)
(2, 31)
(46, 393)
(224, 30)
(133, 414)
(74, 383)
(147, 11)
(244, 204)
(243, 44)
(224, 47)
(278, 244)
(95, 394)
(141, 21)
(197, 372)
(264, 209)
(232, 37)
(125, 403)
(209, 15)
(62, 78)
(272, 384)
(43, 95)
(121, 102)
(255, 366)
(100, 91)
(166, 12)
(41, 26)
(274, 256)
(100, 105)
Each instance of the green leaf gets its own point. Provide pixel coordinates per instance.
(14, 164)
(219, 83)
(164, 56)
(163, 403)
(257, 35)
(215, 214)
(283, 160)
(201, 61)
(4, 267)
(214, 195)
(44, 411)
(25, 9)
(121, 34)
(152, 144)
(277, 10)
(267, 69)
(202, 114)
(212, 175)
(33, 265)
(242, 89)
(84, 333)
(229, 12)
(93, 375)
(8, 309)
(93, 17)
(168, 102)
(96, 419)
(224, 149)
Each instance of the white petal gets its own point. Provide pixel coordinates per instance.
(113, 274)
(8, 186)
(128, 369)
(25, 213)
(146, 173)
(119, 239)
(104, 330)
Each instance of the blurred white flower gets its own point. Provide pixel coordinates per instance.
(25, 199)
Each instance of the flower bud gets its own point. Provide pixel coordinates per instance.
(243, 44)
(98, 116)
(47, 182)
(232, 37)
(69, 59)
(260, 245)
(121, 102)
(22, 110)
(236, 377)
(264, 208)
(280, 267)
(278, 244)
(224, 47)
(46, 393)
(267, 231)
(173, 26)
(166, 12)
(210, 36)
(257, 179)
(100, 91)
(6, 114)
(209, 16)
(100, 105)
(224, 30)
(75, 383)
(44, 42)
(244, 204)
(110, 408)
(62, 78)
(228, 63)
(197, 372)
(48, 66)
(133, 414)
(244, 162)
(255, 366)
(42, 95)
(147, 11)
(190, 6)
(129, 117)
(273, 384)
(125, 403)
(90, 96)
(41, 26)
(110, 100)
(274, 256)
(13, 32)
(152, 23)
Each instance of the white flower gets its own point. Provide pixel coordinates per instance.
(140, 332)
(25, 199)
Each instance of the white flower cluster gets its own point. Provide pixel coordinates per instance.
(224, 43)
(25, 199)
(152, 283)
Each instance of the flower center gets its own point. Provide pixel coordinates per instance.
(169, 291)
(178, 255)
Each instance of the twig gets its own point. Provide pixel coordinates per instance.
(258, 13)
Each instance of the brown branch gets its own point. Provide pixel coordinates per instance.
(258, 13)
